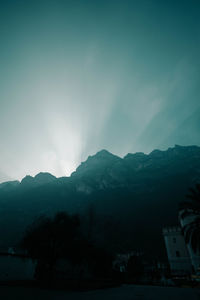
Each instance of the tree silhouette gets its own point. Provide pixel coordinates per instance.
(49, 239)
(190, 210)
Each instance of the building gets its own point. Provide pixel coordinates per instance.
(177, 251)
(121, 260)
(16, 267)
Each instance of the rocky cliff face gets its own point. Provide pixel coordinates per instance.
(97, 172)
(141, 191)
(105, 170)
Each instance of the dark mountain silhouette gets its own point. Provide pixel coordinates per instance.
(9, 185)
(139, 192)
(137, 171)
(38, 180)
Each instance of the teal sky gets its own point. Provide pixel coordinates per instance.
(80, 76)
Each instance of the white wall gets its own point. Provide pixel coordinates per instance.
(16, 268)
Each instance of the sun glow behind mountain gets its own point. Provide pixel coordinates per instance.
(78, 77)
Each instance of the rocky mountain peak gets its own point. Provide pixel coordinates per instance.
(96, 163)
(39, 179)
(44, 177)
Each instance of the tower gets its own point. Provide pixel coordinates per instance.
(177, 252)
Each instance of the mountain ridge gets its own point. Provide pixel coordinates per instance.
(103, 160)
(140, 191)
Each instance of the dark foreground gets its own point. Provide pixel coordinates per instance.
(130, 292)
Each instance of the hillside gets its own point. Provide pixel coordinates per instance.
(140, 193)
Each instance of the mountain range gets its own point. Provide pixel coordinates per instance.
(135, 196)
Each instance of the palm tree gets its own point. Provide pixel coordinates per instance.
(189, 213)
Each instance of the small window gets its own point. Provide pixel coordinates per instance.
(178, 254)
(174, 240)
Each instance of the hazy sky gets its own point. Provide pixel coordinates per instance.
(80, 76)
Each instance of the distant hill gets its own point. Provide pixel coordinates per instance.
(39, 180)
(4, 177)
(139, 192)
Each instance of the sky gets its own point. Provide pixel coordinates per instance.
(82, 75)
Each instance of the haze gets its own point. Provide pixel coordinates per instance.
(81, 76)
